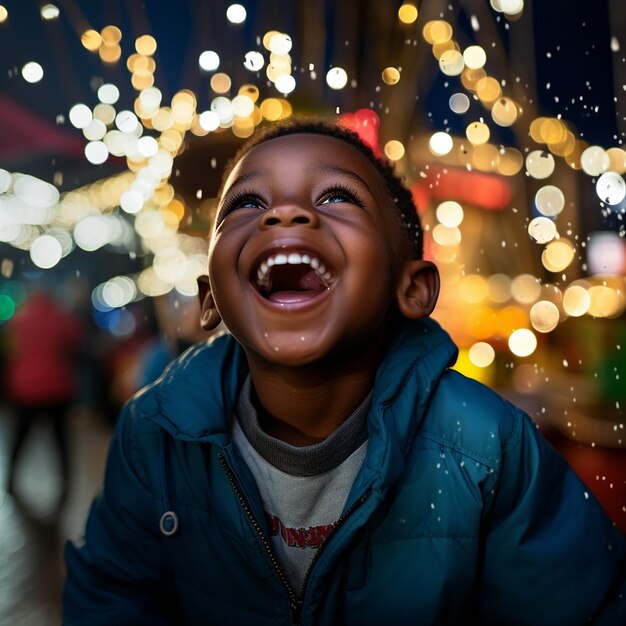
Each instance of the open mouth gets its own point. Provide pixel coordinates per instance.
(292, 277)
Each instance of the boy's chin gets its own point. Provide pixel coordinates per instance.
(287, 349)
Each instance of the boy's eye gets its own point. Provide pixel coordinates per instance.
(336, 196)
(242, 201)
(249, 203)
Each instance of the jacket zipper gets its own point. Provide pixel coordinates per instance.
(295, 602)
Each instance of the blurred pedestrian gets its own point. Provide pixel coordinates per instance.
(41, 373)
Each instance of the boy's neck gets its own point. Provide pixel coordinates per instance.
(303, 406)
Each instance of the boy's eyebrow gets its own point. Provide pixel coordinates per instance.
(245, 177)
(335, 169)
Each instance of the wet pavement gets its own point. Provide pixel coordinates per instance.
(37, 520)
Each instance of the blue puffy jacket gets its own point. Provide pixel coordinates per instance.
(460, 514)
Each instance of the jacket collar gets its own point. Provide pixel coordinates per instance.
(197, 394)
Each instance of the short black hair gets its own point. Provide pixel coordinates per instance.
(397, 190)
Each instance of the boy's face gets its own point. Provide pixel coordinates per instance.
(303, 257)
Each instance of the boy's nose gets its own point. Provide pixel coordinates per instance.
(289, 215)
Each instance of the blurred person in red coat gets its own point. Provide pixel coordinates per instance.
(41, 372)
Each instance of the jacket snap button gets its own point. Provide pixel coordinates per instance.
(169, 523)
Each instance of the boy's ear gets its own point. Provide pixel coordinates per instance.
(418, 289)
(209, 317)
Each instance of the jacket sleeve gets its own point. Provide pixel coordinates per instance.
(119, 574)
(550, 554)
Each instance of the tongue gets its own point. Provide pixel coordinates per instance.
(294, 284)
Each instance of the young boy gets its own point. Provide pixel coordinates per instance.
(321, 464)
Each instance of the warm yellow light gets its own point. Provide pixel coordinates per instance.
(111, 35)
(470, 78)
(534, 129)
(390, 75)
(439, 31)
(407, 13)
(91, 40)
(146, 44)
(271, 109)
(522, 342)
(110, 54)
(440, 143)
(477, 133)
(552, 130)
(488, 89)
(394, 150)
(617, 160)
(451, 63)
(544, 316)
(605, 301)
(576, 300)
(511, 162)
(465, 365)
(445, 236)
(474, 57)
(557, 255)
(499, 286)
(162, 119)
(482, 354)
(485, 157)
(450, 213)
(473, 288)
(504, 112)
(251, 91)
(482, 323)
(540, 164)
(268, 37)
(220, 82)
(525, 288)
(142, 81)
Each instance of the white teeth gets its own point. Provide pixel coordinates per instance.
(294, 258)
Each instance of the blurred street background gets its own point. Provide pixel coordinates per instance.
(506, 117)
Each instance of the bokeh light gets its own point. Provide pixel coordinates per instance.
(522, 342)
(549, 200)
(209, 60)
(542, 229)
(407, 13)
(450, 213)
(46, 251)
(236, 14)
(481, 354)
(540, 164)
(336, 78)
(544, 316)
(32, 72)
(459, 103)
(391, 75)
(611, 188)
(49, 12)
(440, 143)
(576, 300)
(253, 61)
